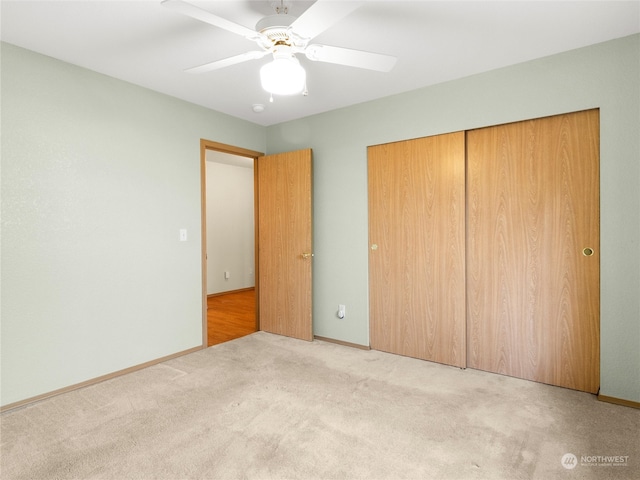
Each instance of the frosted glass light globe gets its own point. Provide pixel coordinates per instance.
(283, 76)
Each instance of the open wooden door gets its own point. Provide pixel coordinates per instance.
(285, 243)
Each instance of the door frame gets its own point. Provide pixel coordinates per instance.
(241, 152)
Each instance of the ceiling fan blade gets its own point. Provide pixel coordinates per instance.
(320, 16)
(227, 62)
(208, 17)
(351, 58)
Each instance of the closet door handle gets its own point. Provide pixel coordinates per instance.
(587, 251)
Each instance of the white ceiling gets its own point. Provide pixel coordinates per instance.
(144, 43)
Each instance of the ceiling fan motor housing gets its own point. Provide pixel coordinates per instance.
(276, 29)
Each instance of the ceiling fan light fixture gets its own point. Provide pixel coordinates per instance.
(284, 75)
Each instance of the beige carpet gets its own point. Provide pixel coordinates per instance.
(270, 407)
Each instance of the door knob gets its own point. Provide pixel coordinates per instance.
(307, 255)
(587, 252)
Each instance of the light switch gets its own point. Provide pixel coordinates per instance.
(183, 234)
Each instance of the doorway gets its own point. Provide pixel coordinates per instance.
(229, 278)
(283, 239)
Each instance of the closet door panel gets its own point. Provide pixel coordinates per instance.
(416, 256)
(533, 250)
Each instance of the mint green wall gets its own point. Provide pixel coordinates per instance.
(605, 76)
(98, 176)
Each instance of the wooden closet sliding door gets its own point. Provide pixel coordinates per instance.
(533, 250)
(417, 248)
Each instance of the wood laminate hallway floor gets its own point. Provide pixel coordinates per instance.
(230, 316)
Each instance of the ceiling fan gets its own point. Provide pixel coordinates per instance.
(284, 36)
